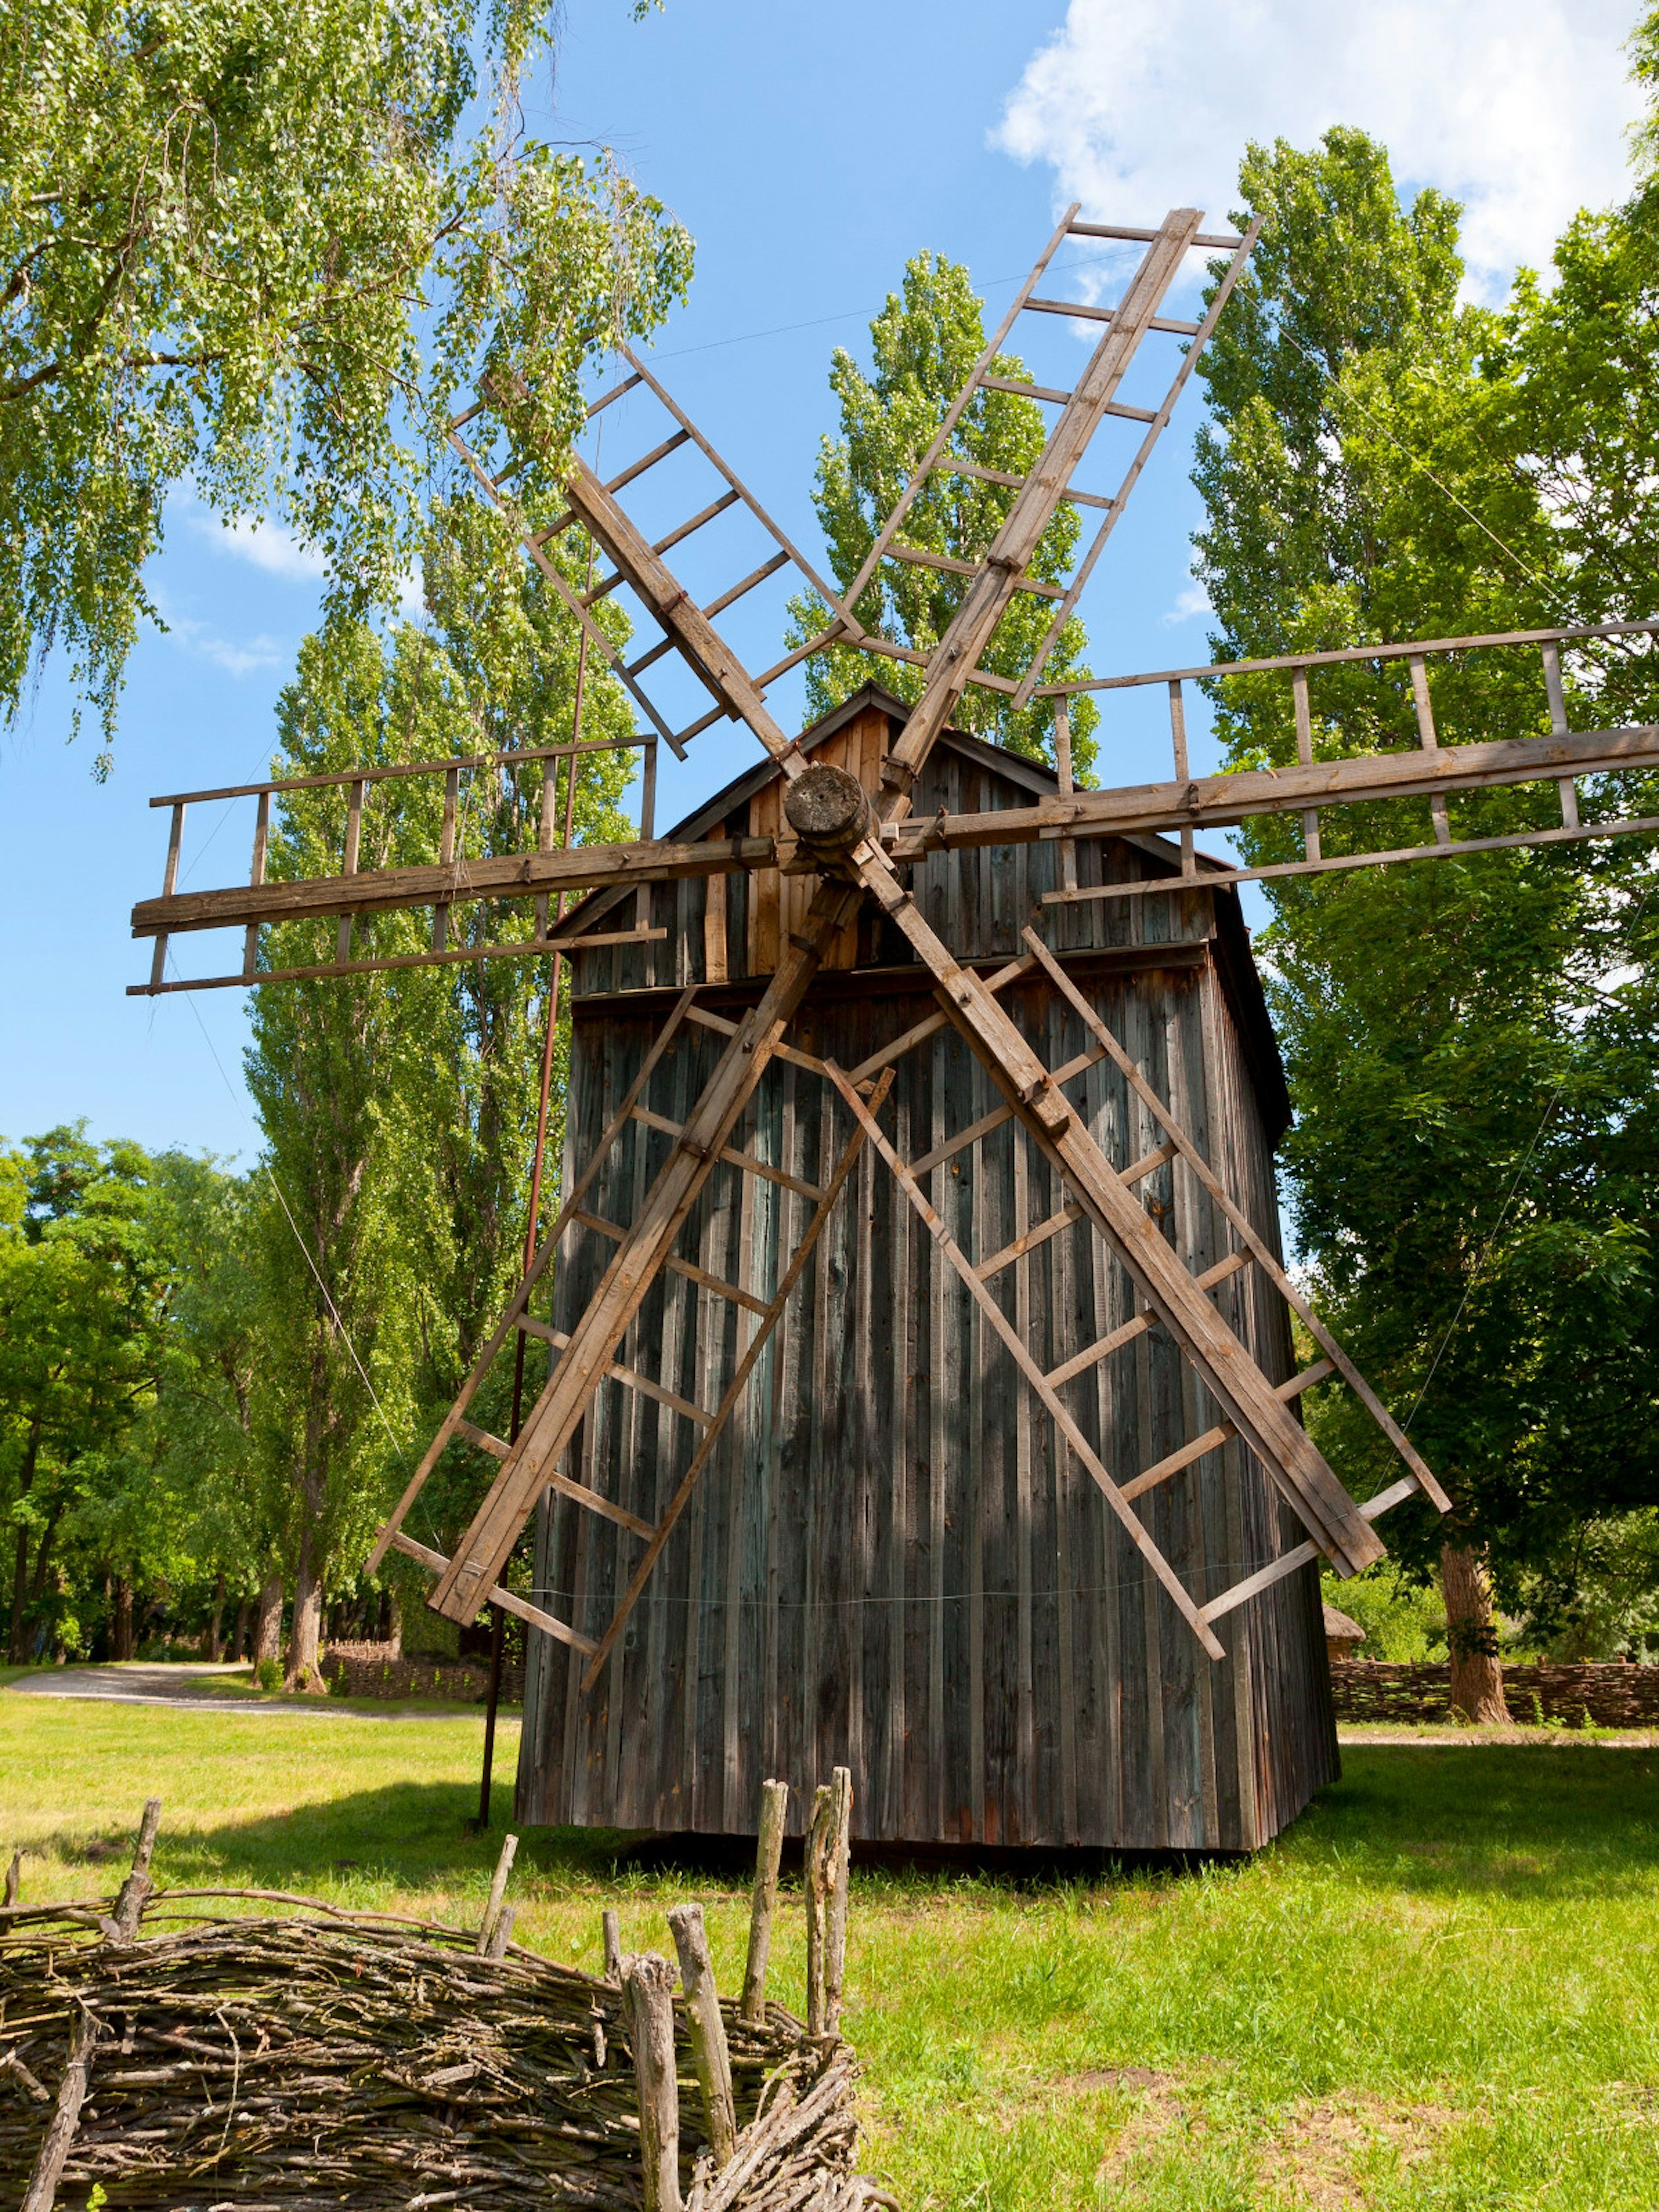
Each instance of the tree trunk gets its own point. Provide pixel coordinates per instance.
(215, 1648)
(268, 1622)
(394, 1623)
(239, 1631)
(16, 1651)
(120, 1626)
(1477, 1674)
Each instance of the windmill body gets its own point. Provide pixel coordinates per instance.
(887, 1565)
(912, 1380)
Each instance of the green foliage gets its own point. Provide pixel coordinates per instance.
(925, 342)
(261, 248)
(1470, 1043)
(399, 1110)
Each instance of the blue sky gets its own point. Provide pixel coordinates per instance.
(810, 151)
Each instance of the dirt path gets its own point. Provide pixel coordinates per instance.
(200, 1682)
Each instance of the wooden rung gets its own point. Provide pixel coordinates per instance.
(730, 1155)
(634, 1381)
(1092, 1354)
(951, 466)
(755, 576)
(1070, 307)
(1302, 1555)
(485, 1442)
(1130, 415)
(997, 1115)
(1138, 1170)
(723, 1028)
(1222, 1433)
(648, 658)
(704, 514)
(1221, 244)
(1176, 329)
(1025, 391)
(917, 558)
(1054, 1226)
(509, 1601)
(675, 1266)
(648, 460)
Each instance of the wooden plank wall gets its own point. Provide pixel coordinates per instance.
(889, 1564)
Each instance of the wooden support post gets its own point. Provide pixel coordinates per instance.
(256, 876)
(169, 884)
(71, 2095)
(611, 1935)
(708, 2052)
(819, 1845)
(497, 1891)
(1558, 699)
(122, 1928)
(14, 1876)
(1304, 755)
(1063, 770)
(1428, 738)
(500, 1933)
(1182, 765)
(769, 1850)
(841, 1845)
(353, 846)
(647, 1986)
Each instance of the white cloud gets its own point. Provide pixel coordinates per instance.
(1517, 107)
(268, 545)
(205, 643)
(1189, 604)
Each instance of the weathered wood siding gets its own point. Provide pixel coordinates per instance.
(889, 1564)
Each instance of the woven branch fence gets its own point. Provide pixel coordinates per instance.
(182, 2054)
(1604, 1693)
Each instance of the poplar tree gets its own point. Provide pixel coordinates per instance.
(1470, 1043)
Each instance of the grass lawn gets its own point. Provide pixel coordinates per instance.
(1440, 1989)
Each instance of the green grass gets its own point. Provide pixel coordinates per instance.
(1440, 1989)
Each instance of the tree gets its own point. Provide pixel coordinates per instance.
(399, 1110)
(1469, 1166)
(82, 1287)
(925, 342)
(259, 248)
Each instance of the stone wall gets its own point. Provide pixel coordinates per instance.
(373, 1670)
(1605, 1694)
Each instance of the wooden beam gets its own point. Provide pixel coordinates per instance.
(1035, 1378)
(553, 1418)
(1215, 801)
(507, 875)
(734, 1390)
(1222, 1363)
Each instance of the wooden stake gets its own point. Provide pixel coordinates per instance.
(497, 1891)
(502, 1933)
(71, 2095)
(613, 1957)
(708, 2052)
(841, 1842)
(121, 1928)
(648, 1984)
(819, 1845)
(15, 1875)
(769, 1850)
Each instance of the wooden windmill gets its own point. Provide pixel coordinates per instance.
(920, 1392)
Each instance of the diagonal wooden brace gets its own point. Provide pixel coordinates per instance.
(1221, 1362)
(483, 1552)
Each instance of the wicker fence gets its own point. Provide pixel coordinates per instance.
(1597, 1694)
(370, 1670)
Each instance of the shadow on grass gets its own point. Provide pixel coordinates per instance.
(1539, 1821)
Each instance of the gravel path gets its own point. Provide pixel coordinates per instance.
(192, 1683)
